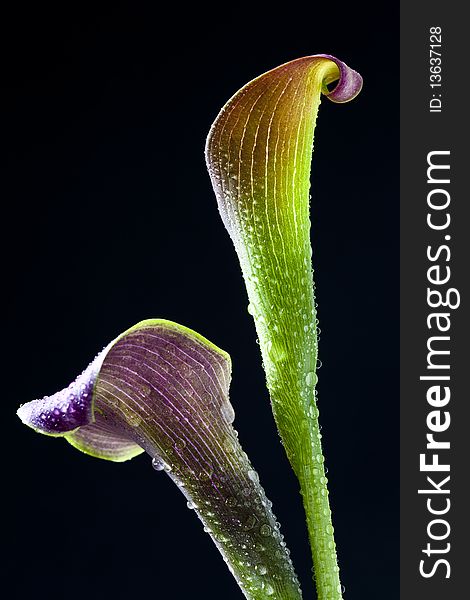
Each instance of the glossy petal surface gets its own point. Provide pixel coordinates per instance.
(259, 153)
(163, 388)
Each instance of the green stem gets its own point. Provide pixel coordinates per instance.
(314, 490)
(301, 435)
(289, 348)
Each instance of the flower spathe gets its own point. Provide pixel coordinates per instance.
(163, 389)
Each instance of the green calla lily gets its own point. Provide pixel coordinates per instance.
(258, 154)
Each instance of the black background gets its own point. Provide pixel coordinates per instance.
(110, 218)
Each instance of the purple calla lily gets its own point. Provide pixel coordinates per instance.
(163, 389)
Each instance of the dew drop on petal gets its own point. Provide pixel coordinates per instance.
(311, 379)
(228, 412)
(180, 444)
(158, 464)
(265, 530)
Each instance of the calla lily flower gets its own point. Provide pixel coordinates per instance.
(258, 154)
(163, 389)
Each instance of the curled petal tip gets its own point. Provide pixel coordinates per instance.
(23, 413)
(66, 410)
(349, 83)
